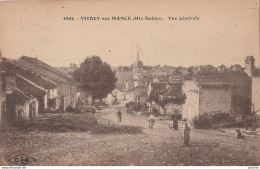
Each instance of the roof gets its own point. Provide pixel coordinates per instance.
(250, 58)
(35, 78)
(125, 76)
(223, 78)
(41, 71)
(138, 64)
(29, 88)
(17, 96)
(48, 68)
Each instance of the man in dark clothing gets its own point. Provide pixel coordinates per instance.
(175, 122)
(119, 114)
(174, 119)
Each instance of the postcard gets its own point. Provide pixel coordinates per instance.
(129, 83)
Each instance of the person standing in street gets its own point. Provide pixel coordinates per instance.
(119, 116)
(186, 134)
(151, 121)
(175, 122)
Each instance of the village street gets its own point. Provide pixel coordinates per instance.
(84, 139)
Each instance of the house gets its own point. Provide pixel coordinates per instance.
(20, 97)
(50, 87)
(29, 86)
(66, 92)
(156, 89)
(124, 86)
(159, 73)
(227, 92)
(140, 94)
(171, 99)
(254, 73)
(24, 100)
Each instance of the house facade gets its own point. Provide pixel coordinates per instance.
(254, 73)
(226, 92)
(29, 86)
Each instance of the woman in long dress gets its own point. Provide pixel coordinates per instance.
(186, 134)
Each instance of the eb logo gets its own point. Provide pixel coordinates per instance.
(22, 159)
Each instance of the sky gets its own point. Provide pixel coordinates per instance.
(227, 31)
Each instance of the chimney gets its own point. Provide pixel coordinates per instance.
(250, 65)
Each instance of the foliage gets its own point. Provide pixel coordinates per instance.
(96, 76)
(155, 111)
(71, 109)
(207, 69)
(129, 104)
(132, 106)
(211, 119)
(154, 96)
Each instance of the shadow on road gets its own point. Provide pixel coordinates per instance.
(102, 129)
(60, 123)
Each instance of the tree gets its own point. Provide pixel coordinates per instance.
(73, 65)
(154, 96)
(96, 76)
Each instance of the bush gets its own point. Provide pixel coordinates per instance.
(155, 111)
(72, 109)
(212, 119)
(127, 105)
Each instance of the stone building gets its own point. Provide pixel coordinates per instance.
(226, 92)
(254, 73)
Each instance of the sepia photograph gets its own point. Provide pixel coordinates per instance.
(129, 83)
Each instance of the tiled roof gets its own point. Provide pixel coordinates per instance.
(222, 78)
(37, 79)
(29, 88)
(45, 66)
(41, 71)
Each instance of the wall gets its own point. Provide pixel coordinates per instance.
(256, 92)
(215, 99)
(26, 109)
(241, 100)
(10, 83)
(2, 98)
(190, 108)
(64, 90)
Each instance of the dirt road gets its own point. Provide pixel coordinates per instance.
(81, 139)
